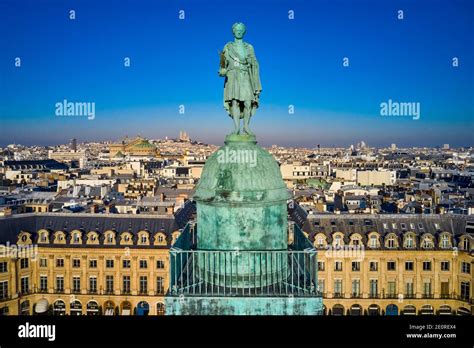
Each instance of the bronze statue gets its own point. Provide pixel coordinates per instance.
(242, 87)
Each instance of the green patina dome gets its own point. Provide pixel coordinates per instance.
(241, 199)
(144, 144)
(241, 172)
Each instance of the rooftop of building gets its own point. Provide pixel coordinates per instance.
(11, 226)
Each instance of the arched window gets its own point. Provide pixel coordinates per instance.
(356, 239)
(92, 238)
(465, 244)
(76, 237)
(445, 241)
(337, 240)
(373, 242)
(76, 308)
(160, 309)
(160, 238)
(126, 238)
(143, 238)
(338, 310)
(391, 242)
(59, 237)
(44, 237)
(110, 237)
(409, 310)
(320, 242)
(409, 241)
(427, 242)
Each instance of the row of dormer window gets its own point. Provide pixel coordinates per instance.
(391, 241)
(93, 238)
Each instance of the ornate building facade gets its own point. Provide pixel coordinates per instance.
(138, 147)
(86, 264)
(113, 264)
(393, 264)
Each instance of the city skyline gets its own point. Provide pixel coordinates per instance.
(362, 144)
(174, 63)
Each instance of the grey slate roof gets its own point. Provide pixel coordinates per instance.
(10, 226)
(384, 225)
(363, 224)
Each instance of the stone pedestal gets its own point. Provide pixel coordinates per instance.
(241, 206)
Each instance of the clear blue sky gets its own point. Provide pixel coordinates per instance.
(175, 62)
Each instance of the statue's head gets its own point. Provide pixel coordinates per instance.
(238, 29)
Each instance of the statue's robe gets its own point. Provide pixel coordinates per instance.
(242, 80)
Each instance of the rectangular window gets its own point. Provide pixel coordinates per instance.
(76, 284)
(43, 262)
(373, 266)
(356, 266)
(391, 266)
(160, 285)
(338, 288)
(426, 265)
(373, 241)
(59, 283)
(409, 289)
(126, 284)
(338, 266)
(143, 284)
(391, 243)
(392, 289)
(465, 290)
(24, 263)
(160, 264)
(3, 267)
(445, 265)
(321, 266)
(43, 283)
(126, 263)
(373, 288)
(109, 284)
(76, 263)
(427, 288)
(59, 262)
(25, 285)
(92, 263)
(143, 264)
(109, 263)
(93, 285)
(444, 289)
(355, 287)
(409, 265)
(466, 267)
(321, 285)
(3, 290)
